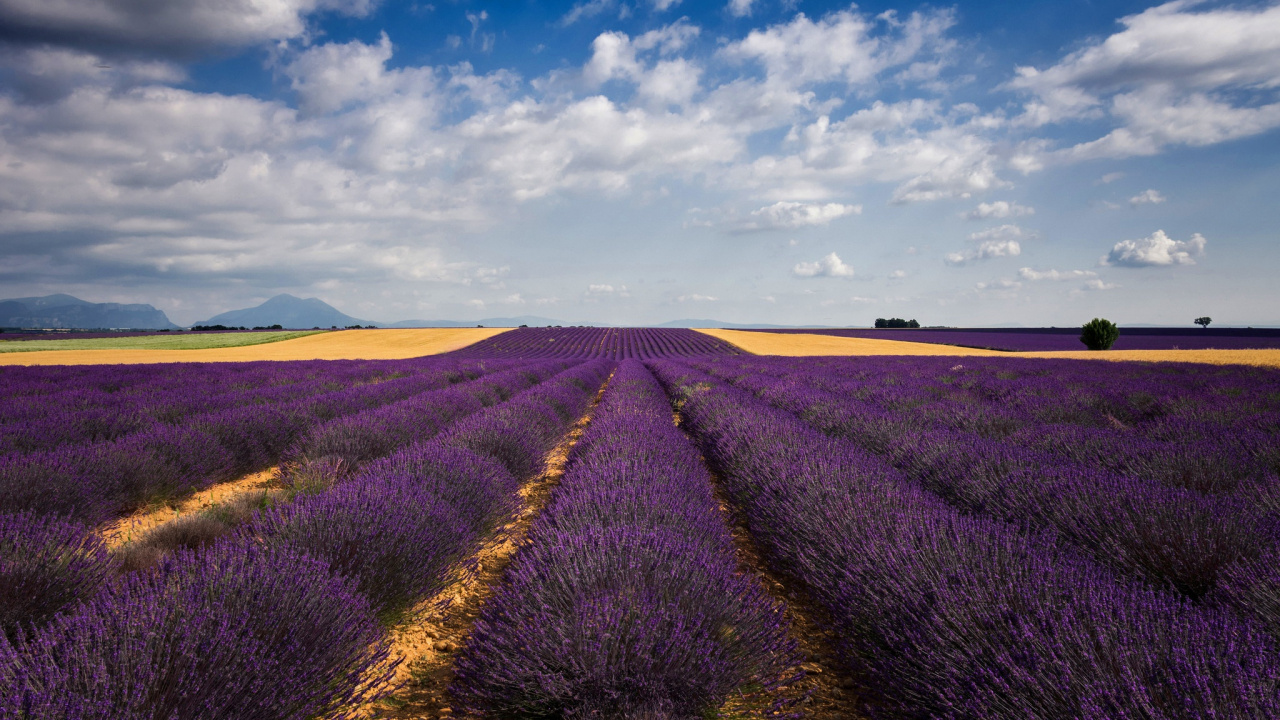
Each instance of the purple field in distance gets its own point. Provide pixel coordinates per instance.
(1052, 339)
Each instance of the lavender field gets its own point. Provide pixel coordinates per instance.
(974, 537)
(1054, 339)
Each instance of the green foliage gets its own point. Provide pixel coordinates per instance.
(896, 323)
(1204, 321)
(1099, 334)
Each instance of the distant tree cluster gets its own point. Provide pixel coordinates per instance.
(896, 323)
(1204, 321)
(217, 327)
(269, 327)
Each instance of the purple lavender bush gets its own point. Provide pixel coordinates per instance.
(398, 528)
(46, 563)
(626, 600)
(963, 616)
(240, 632)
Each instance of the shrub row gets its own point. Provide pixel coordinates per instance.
(275, 623)
(963, 616)
(94, 482)
(625, 601)
(1170, 536)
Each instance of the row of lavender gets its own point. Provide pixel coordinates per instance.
(47, 407)
(93, 481)
(51, 560)
(625, 601)
(280, 621)
(1057, 339)
(1221, 547)
(953, 615)
(607, 343)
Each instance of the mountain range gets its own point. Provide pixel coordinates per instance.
(66, 312)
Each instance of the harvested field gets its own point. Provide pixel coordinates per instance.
(804, 345)
(334, 345)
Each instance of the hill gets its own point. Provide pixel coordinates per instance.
(71, 313)
(288, 312)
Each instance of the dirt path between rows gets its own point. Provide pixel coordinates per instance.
(132, 526)
(825, 691)
(439, 626)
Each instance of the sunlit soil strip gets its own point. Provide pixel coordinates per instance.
(338, 345)
(803, 345)
(437, 627)
(118, 532)
(815, 689)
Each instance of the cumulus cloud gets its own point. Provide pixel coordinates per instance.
(1002, 284)
(1156, 250)
(784, 215)
(696, 298)
(829, 266)
(1172, 76)
(1146, 197)
(1098, 284)
(1027, 273)
(996, 242)
(998, 210)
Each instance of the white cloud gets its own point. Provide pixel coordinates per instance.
(840, 46)
(1110, 178)
(1171, 76)
(996, 242)
(739, 8)
(998, 210)
(1098, 284)
(1156, 250)
(1027, 273)
(784, 215)
(1146, 197)
(696, 298)
(1002, 284)
(897, 274)
(664, 5)
(829, 266)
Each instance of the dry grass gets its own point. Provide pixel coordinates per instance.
(135, 526)
(802, 345)
(339, 345)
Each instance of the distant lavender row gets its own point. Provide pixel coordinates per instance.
(1171, 536)
(952, 616)
(63, 406)
(340, 446)
(1053, 339)
(95, 481)
(257, 627)
(607, 343)
(625, 601)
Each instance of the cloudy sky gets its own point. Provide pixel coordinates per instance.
(637, 161)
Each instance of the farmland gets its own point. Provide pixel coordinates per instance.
(155, 341)
(582, 522)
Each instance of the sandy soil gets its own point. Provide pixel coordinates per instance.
(339, 345)
(121, 531)
(800, 345)
(439, 626)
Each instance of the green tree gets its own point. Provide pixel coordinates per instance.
(1204, 321)
(1099, 334)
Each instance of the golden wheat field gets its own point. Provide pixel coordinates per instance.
(803, 345)
(338, 345)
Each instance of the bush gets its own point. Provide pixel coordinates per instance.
(1099, 334)
(239, 631)
(46, 563)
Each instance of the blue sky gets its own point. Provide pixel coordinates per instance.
(636, 162)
